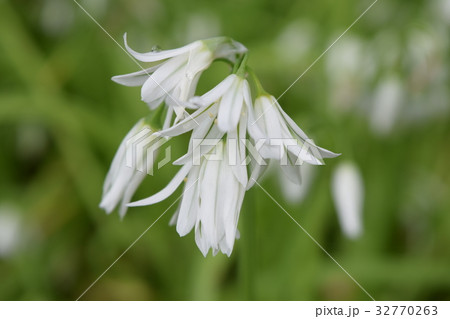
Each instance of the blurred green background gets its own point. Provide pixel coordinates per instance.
(379, 96)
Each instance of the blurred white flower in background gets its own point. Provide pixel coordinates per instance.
(441, 9)
(428, 76)
(386, 107)
(57, 17)
(295, 41)
(348, 65)
(10, 226)
(348, 195)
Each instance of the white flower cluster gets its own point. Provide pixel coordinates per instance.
(236, 128)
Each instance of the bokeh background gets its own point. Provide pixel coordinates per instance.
(379, 96)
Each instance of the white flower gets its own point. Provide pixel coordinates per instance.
(387, 106)
(227, 102)
(10, 230)
(211, 202)
(175, 79)
(225, 109)
(126, 173)
(348, 194)
(285, 141)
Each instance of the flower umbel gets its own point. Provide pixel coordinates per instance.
(220, 163)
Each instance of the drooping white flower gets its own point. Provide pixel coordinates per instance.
(129, 167)
(211, 202)
(285, 140)
(175, 78)
(348, 195)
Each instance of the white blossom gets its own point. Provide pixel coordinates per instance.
(348, 194)
(175, 78)
(125, 175)
(285, 139)
(211, 202)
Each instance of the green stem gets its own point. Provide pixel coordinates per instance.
(256, 83)
(240, 67)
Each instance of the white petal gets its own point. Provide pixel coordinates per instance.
(290, 122)
(161, 55)
(134, 183)
(136, 78)
(323, 152)
(214, 136)
(189, 204)
(229, 199)
(305, 153)
(271, 122)
(198, 133)
(166, 191)
(230, 107)
(112, 197)
(215, 93)
(119, 157)
(255, 131)
(197, 62)
(163, 80)
(256, 171)
(191, 121)
(174, 218)
(247, 94)
(208, 197)
(192, 87)
(200, 239)
(238, 152)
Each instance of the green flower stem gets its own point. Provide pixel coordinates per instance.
(156, 118)
(240, 67)
(256, 83)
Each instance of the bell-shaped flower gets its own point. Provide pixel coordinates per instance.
(133, 160)
(284, 139)
(175, 78)
(211, 201)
